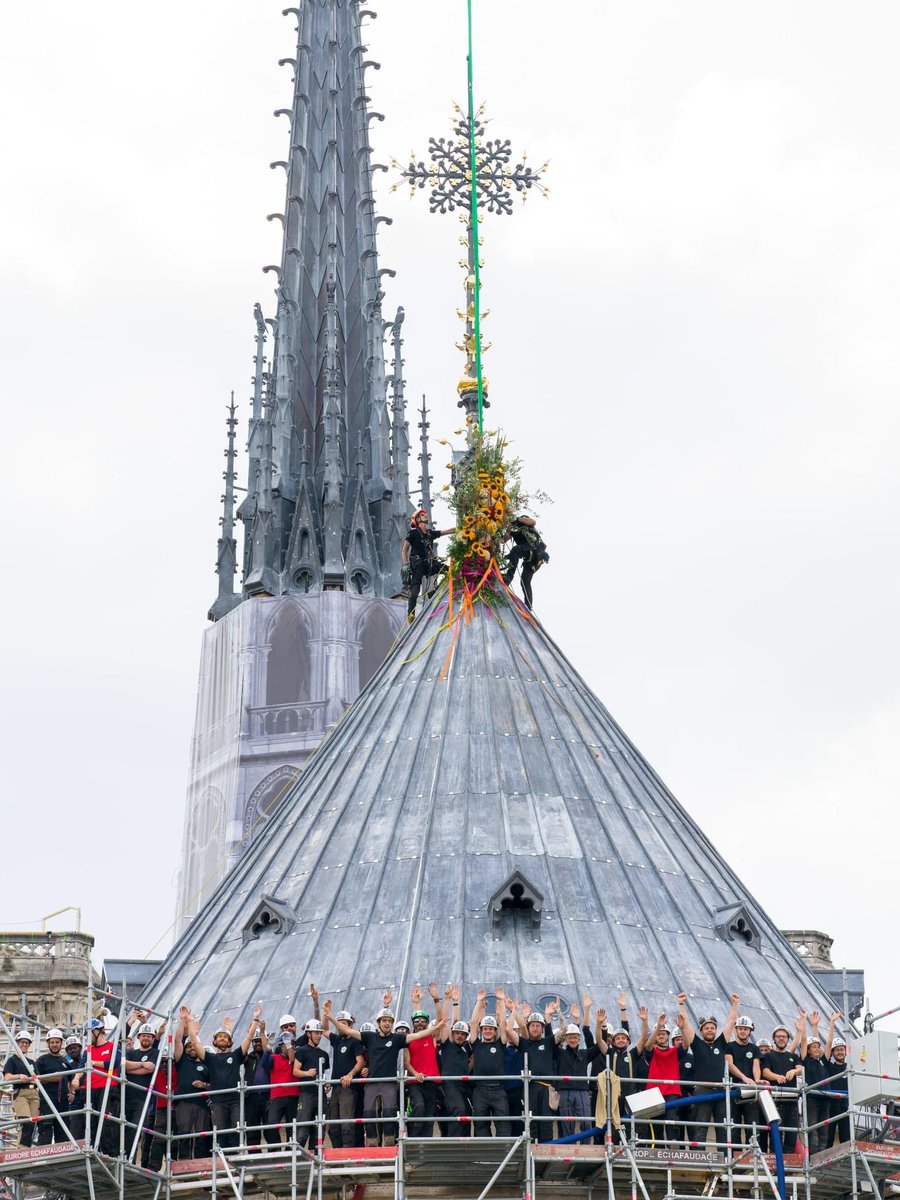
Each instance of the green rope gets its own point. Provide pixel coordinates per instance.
(473, 168)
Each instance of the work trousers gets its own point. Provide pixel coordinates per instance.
(26, 1109)
(517, 555)
(574, 1110)
(256, 1105)
(789, 1119)
(226, 1113)
(704, 1113)
(280, 1114)
(342, 1107)
(50, 1129)
(608, 1107)
(489, 1100)
(192, 1124)
(541, 1112)
(105, 1133)
(423, 1098)
(817, 1109)
(381, 1099)
(307, 1111)
(456, 1105)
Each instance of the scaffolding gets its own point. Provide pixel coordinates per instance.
(651, 1158)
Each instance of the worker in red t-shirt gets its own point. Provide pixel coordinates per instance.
(420, 1060)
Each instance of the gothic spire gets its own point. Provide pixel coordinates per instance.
(327, 362)
(424, 459)
(399, 455)
(226, 556)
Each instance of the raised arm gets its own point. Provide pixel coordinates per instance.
(644, 1018)
(477, 1014)
(194, 1034)
(423, 1033)
(435, 994)
(832, 1022)
(184, 1016)
(314, 996)
(801, 1032)
(251, 1029)
(346, 1030)
(599, 1039)
(451, 999)
(728, 1031)
(687, 1029)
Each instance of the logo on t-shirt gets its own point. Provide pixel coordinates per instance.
(749, 1054)
(541, 1046)
(716, 1050)
(229, 1059)
(493, 1049)
(388, 1044)
(344, 1049)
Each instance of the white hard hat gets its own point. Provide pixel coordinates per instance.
(403, 1025)
(24, 1036)
(54, 1033)
(743, 1023)
(367, 1027)
(489, 1023)
(314, 1026)
(570, 1029)
(384, 1014)
(459, 1027)
(780, 1029)
(838, 1042)
(813, 1038)
(344, 1015)
(287, 1019)
(145, 1028)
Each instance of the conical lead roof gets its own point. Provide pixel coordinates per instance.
(479, 816)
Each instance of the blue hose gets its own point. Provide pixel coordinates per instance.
(778, 1151)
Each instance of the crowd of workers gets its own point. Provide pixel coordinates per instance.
(458, 1075)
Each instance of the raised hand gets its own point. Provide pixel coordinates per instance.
(679, 1020)
(800, 1023)
(526, 1009)
(194, 1027)
(587, 1002)
(643, 1013)
(227, 1023)
(387, 998)
(835, 1017)
(454, 993)
(313, 992)
(416, 995)
(661, 1021)
(814, 1018)
(482, 993)
(433, 991)
(622, 1000)
(184, 1013)
(601, 1017)
(257, 1012)
(327, 1006)
(735, 999)
(682, 997)
(575, 1014)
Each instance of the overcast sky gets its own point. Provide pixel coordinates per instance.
(695, 352)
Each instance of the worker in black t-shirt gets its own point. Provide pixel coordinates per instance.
(540, 1048)
(224, 1065)
(192, 1118)
(836, 1056)
(743, 1067)
(382, 1048)
(418, 558)
(487, 1037)
(784, 1067)
(454, 1059)
(709, 1052)
(140, 1067)
(311, 1061)
(815, 1077)
(50, 1069)
(347, 1063)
